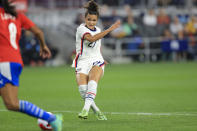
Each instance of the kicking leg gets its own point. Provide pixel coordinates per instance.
(10, 98)
(94, 76)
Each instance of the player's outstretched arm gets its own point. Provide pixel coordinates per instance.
(44, 50)
(98, 36)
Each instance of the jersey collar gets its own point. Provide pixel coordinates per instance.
(91, 29)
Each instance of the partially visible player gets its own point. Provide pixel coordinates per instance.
(11, 63)
(89, 62)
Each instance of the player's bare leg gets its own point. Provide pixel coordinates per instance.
(82, 79)
(95, 74)
(9, 95)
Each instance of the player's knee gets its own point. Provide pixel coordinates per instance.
(13, 106)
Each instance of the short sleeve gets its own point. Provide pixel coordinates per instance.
(82, 31)
(26, 23)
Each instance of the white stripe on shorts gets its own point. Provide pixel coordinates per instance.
(5, 70)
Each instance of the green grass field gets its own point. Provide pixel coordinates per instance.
(135, 97)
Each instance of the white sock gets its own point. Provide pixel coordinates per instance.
(88, 103)
(82, 91)
(90, 94)
(94, 107)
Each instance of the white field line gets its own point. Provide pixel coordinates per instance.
(132, 113)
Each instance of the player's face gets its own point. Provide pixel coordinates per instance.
(91, 21)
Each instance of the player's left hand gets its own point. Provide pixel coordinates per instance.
(45, 52)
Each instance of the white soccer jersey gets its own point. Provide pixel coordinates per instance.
(88, 54)
(84, 48)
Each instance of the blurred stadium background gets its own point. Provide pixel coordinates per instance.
(151, 30)
(158, 96)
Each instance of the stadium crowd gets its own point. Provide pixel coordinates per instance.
(175, 33)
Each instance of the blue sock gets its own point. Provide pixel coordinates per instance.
(32, 110)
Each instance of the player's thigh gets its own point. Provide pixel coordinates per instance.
(9, 82)
(82, 69)
(82, 79)
(9, 94)
(95, 73)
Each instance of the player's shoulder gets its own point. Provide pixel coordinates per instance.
(21, 15)
(81, 27)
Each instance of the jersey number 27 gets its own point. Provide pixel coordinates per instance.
(92, 44)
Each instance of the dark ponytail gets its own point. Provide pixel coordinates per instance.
(10, 9)
(92, 8)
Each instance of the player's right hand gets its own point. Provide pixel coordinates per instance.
(45, 52)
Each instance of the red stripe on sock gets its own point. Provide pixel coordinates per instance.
(91, 93)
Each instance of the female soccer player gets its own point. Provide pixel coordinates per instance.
(11, 63)
(89, 62)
